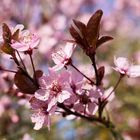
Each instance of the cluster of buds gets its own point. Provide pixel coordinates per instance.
(63, 90)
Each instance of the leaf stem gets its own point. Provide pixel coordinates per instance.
(95, 69)
(120, 78)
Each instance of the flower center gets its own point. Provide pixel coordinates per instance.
(55, 87)
(84, 99)
(62, 57)
(27, 39)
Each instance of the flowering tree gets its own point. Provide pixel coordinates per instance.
(65, 90)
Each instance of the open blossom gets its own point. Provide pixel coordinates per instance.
(19, 27)
(26, 41)
(40, 116)
(63, 57)
(54, 88)
(124, 67)
(87, 103)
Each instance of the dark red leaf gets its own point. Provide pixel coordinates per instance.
(75, 34)
(15, 35)
(93, 26)
(78, 38)
(69, 40)
(24, 83)
(6, 48)
(81, 26)
(101, 72)
(103, 39)
(6, 33)
(39, 73)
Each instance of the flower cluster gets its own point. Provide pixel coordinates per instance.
(69, 91)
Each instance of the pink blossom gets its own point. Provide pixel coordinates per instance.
(54, 88)
(124, 67)
(63, 57)
(27, 137)
(87, 103)
(40, 116)
(76, 80)
(19, 27)
(27, 41)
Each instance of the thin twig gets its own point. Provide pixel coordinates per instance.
(95, 69)
(82, 73)
(120, 78)
(33, 69)
(21, 60)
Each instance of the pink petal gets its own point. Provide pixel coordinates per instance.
(35, 42)
(18, 26)
(20, 46)
(38, 119)
(52, 74)
(47, 121)
(64, 77)
(45, 81)
(92, 108)
(52, 103)
(58, 67)
(95, 93)
(42, 95)
(134, 71)
(63, 96)
(69, 48)
(58, 57)
(79, 107)
(121, 63)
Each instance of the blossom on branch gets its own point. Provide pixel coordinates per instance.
(40, 116)
(88, 102)
(54, 88)
(26, 41)
(62, 57)
(124, 67)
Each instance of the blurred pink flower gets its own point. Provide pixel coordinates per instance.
(5, 102)
(124, 67)
(63, 56)
(27, 137)
(27, 41)
(54, 88)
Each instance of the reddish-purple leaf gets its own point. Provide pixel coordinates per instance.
(6, 33)
(15, 35)
(103, 39)
(101, 72)
(24, 83)
(81, 26)
(78, 39)
(39, 73)
(6, 48)
(93, 26)
(75, 34)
